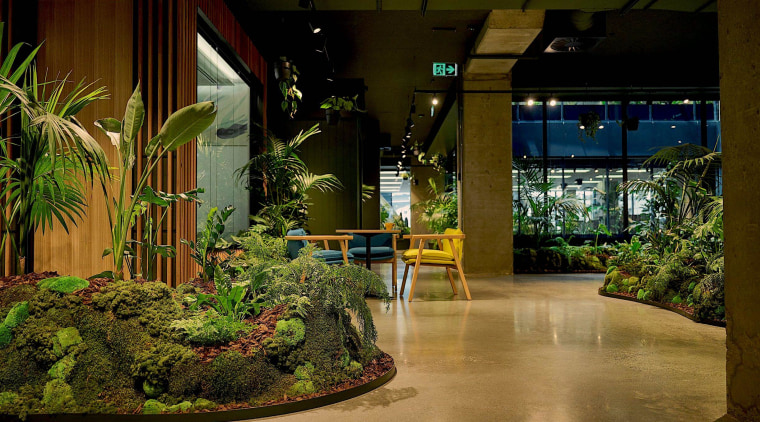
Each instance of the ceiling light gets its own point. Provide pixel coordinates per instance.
(315, 29)
(672, 126)
(572, 156)
(525, 156)
(410, 122)
(596, 170)
(582, 127)
(552, 102)
(686, 101)
(530, 101)
(601, 126)
(435, 99)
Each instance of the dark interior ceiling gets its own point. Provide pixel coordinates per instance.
(391, 46)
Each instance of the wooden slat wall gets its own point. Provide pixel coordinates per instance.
(119, 42)
(166, 64)
(6, 8)
(93, 40)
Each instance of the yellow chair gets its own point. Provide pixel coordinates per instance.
(448, 256)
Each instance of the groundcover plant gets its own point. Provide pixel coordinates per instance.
(267, 328)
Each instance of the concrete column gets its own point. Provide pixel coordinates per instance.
(485, 206)
(739, 41)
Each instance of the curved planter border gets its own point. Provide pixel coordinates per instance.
(685, 314)
(223, 416)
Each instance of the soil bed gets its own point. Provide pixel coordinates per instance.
(681, 309)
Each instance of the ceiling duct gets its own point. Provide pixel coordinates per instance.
(574, 31)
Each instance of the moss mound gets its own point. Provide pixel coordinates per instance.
(65, 284)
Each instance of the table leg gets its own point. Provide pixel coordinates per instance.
(368, 256)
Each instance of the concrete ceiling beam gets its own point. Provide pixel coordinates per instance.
(507, 32)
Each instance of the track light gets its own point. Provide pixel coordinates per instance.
(410, 122)
(315, 29)
(531, 101)
(686, 101)
(435, 99)
(552, 102)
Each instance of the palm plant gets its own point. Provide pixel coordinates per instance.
(441, 211)
(42, 181)
(536, 207)
(283, 181)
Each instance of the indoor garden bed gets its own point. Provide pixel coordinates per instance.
(267, 336)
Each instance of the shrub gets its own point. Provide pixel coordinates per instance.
(641, 293)
(64, 285)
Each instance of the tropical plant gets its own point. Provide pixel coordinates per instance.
(282, 181)
(230, 299)
(440, 211)
(290, 94)
(148, 200)
(536, 208)
(180, 128)
(341, 104)
(42, 182)
(202, 250)
(588, 124)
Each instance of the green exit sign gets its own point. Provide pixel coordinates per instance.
(445, 69)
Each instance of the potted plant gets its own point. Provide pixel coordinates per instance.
(343, 105)
(631, 123)
(287, 75)
(588, 123)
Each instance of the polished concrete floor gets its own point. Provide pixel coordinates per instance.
(537, 348)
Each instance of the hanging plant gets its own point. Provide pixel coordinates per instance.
(588, 124)
(287, 74)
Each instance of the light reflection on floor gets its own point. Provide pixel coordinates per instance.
(537, 348)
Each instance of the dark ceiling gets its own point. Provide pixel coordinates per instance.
(392, 50)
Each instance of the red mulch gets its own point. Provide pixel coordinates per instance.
(206, 287)
(248, 345)
(31, 278)
(95, 285)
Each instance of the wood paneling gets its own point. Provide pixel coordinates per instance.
(119, 43)
(91, 39)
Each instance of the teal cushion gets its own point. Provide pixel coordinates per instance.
(294, 246)
(332, 257)
(359, 241)
(378, 252)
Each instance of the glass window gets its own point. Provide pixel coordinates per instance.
(225, 145)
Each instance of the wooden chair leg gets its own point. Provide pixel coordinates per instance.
(451, 280)
(394, 274)
(460, 270)
(414, 280)
(403, 282)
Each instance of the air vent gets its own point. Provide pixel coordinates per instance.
(573, 44)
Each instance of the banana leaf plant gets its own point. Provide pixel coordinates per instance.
(149, 200)
(180, 128)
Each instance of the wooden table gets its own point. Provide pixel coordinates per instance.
(368, 233)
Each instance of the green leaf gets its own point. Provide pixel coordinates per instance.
(133, 121)
(104, 274)
(186, 124)
(152, 146)
(107, 252)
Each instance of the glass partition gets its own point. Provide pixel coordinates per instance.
(225, 145)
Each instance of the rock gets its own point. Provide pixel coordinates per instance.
(65, 285)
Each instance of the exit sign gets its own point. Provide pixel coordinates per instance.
(445, 69)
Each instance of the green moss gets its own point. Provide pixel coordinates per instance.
(235, 378)
(152, 390)
(155, 364)
(65, 339)
(304, 372)
(302, 387)
(633, 289)
(152, 304)
(203, 404)
(58, 397)
(5, 336)
(355, 369)
(19, 293)
(187, 289)
(35, 341)
(292, 331)
(210, 330)
(17, 315)
(63, 368)
(677, 300)
(184, 406)
(648, 295)
(612, 288)
(691, 286)
(633, 281)
(188, 380)
(65, 284)
(153, 407)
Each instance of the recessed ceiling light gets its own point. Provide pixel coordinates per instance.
(530, 101)
(552, 102)
(601, 126)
